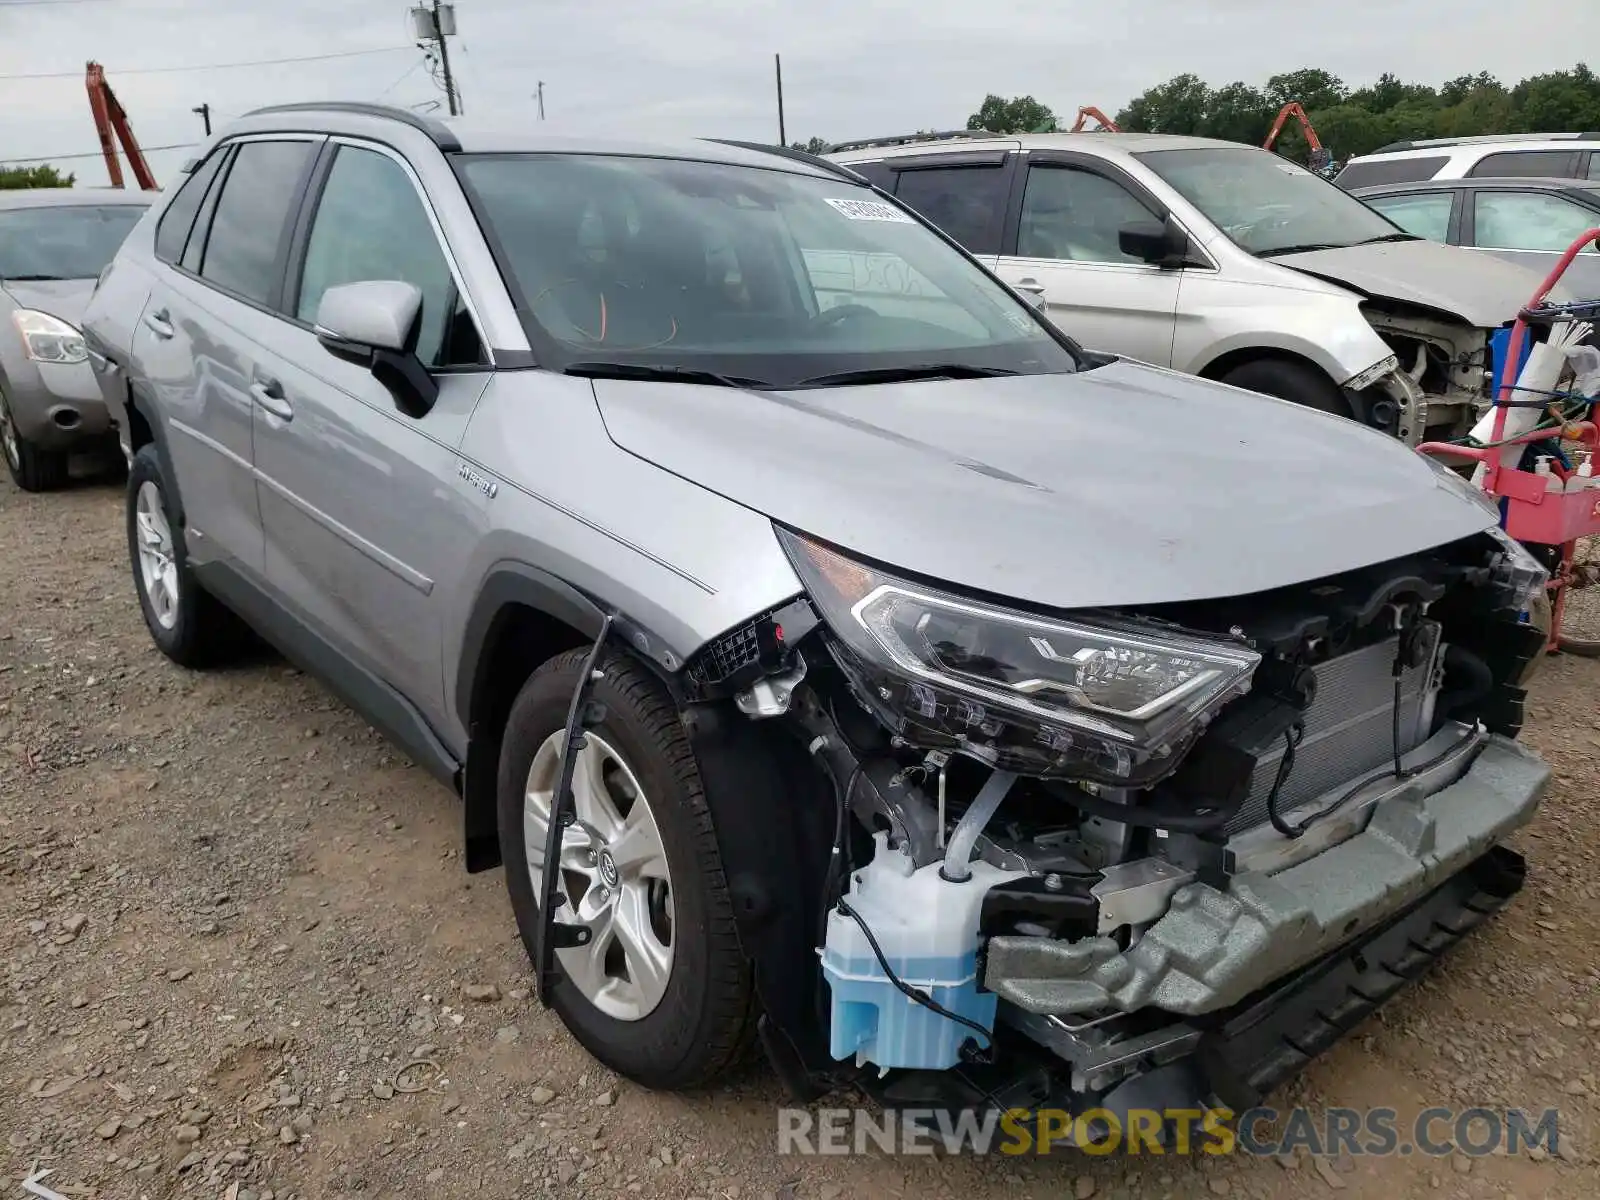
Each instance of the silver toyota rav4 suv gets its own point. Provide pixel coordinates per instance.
(953, 710)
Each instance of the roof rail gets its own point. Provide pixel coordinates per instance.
(789, 152)
(437, 130)
(907, 138)
(1481, 138)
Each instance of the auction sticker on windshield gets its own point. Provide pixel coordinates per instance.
(870, 210)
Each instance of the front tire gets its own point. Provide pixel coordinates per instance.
(33, 468)
(187, 624)
(662, 993)
(1292, 381)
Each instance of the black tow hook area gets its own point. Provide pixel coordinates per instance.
(1062, 904)
(582, 715)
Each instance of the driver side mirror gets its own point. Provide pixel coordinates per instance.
(375, 322)
(1162, 244)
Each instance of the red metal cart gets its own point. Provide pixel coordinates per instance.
(1557, 524)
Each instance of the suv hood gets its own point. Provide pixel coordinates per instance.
(64, 298)
(1123, 485)
(1475, 287)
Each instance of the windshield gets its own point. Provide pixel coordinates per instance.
(765, 276)
(1267, 205)
(63, 242)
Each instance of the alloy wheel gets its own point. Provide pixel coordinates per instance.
(613, 877)
(158, 566)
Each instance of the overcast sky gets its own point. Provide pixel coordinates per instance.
(852, 68)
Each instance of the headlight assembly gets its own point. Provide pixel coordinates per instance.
(49, 339)
(1516, 575)
(1117, 703)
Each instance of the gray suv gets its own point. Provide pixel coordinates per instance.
(951, 709)
(53, 243)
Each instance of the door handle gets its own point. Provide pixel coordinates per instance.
(268, 393)
(159, 323)
(1032, 286)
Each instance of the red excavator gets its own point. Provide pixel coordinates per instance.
(1321, 158)
(109, 119)
(1090, 113)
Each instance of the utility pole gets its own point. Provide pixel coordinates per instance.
(434, 24)
(777, 62)
(204, 111)
(540, 96)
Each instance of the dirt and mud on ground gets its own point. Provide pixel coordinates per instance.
(231, 916)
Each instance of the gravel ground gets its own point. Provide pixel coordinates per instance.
(230, 916)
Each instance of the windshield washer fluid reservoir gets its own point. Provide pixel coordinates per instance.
(927, 928)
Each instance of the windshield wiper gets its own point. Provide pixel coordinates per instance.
(32, 278)
(659, 373)
(904, 374)
(1302, 248)
(1391, 237)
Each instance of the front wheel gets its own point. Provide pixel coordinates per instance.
(1292, 381)
(661, 992)
(32, 468)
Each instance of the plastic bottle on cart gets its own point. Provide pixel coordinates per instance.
(1581, 477)
(1541, 468)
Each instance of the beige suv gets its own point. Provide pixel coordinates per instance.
(1219, 260)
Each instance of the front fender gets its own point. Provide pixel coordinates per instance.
(1324, 328)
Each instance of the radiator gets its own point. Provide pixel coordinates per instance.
(1348, 730)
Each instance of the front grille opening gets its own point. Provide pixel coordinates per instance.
(1349, 730)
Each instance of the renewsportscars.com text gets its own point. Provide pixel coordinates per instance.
(1257, 1131)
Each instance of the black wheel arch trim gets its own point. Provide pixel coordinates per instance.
(510, 583)
(146, 409)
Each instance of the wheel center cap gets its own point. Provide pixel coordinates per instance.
(608, 869)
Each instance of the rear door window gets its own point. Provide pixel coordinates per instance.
(1426, 214)
(1394, 170)
(1526, 164)
(967, 202)
(250, 228)
(1528, 221)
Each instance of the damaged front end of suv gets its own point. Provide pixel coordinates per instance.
(1152, 857)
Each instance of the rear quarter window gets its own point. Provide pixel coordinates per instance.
(1524, 164)
(1394, 170)
(173, 230)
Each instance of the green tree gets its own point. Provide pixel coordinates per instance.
(1021, 114)
(1177, 106)
(1390, 93)
(1349, 129)
(1311, 86)
(1349, 122)
(1463, 86)
(811, 145)
(34, 177)
(1237, 113)
(1560, 100)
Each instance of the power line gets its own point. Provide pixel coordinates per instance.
(260, 62)
(409, 72)
(12, 162)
